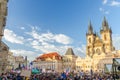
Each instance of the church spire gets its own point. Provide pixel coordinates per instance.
(105, 25)
(90, 28)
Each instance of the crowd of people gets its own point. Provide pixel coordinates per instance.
(56, 76)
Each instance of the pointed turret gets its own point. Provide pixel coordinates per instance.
(105, 25)
(90, 28)
(106, 36)
(69, 52)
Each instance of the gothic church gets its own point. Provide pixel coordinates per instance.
(97, 44)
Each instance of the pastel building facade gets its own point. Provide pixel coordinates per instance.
(48, 62)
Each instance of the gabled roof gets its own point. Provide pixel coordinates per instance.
(69, 52)
(50, 55)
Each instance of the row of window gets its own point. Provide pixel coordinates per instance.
(45, 63)
(47, 67)
(84, 67)
(68, 60)
(90, 40)
(88, 66)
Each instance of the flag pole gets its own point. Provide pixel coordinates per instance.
(26, 61)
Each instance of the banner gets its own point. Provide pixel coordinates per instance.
(26, 73)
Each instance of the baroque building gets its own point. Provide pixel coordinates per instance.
(55, 62)
(48, 62)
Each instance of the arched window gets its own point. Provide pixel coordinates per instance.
(98, 51)
(89, 40)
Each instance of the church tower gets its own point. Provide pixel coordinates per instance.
(106, 36)
(90, 40)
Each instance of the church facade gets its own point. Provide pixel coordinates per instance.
(99, 49)
(97, 44)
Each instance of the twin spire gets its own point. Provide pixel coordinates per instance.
(90, 28)
(105, 26)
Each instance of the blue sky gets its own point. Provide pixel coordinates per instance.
(40, 26)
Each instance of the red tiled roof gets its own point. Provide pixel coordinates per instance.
(49, 55)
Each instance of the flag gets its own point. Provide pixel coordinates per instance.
(30, 65)
(23, 66)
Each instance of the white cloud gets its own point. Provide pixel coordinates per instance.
(29, 39)
(105, 1)
(61, 38)
(80, 51)
(22, 28)
(49, 42)
(116, 41)
(51, 48)
(103, 11)
(50, 37)
(30, 54)
(41, 42)
(10, 36)
(34, 42)
(106, 12)
(115, 3)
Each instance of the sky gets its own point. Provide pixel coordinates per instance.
(42, 26)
